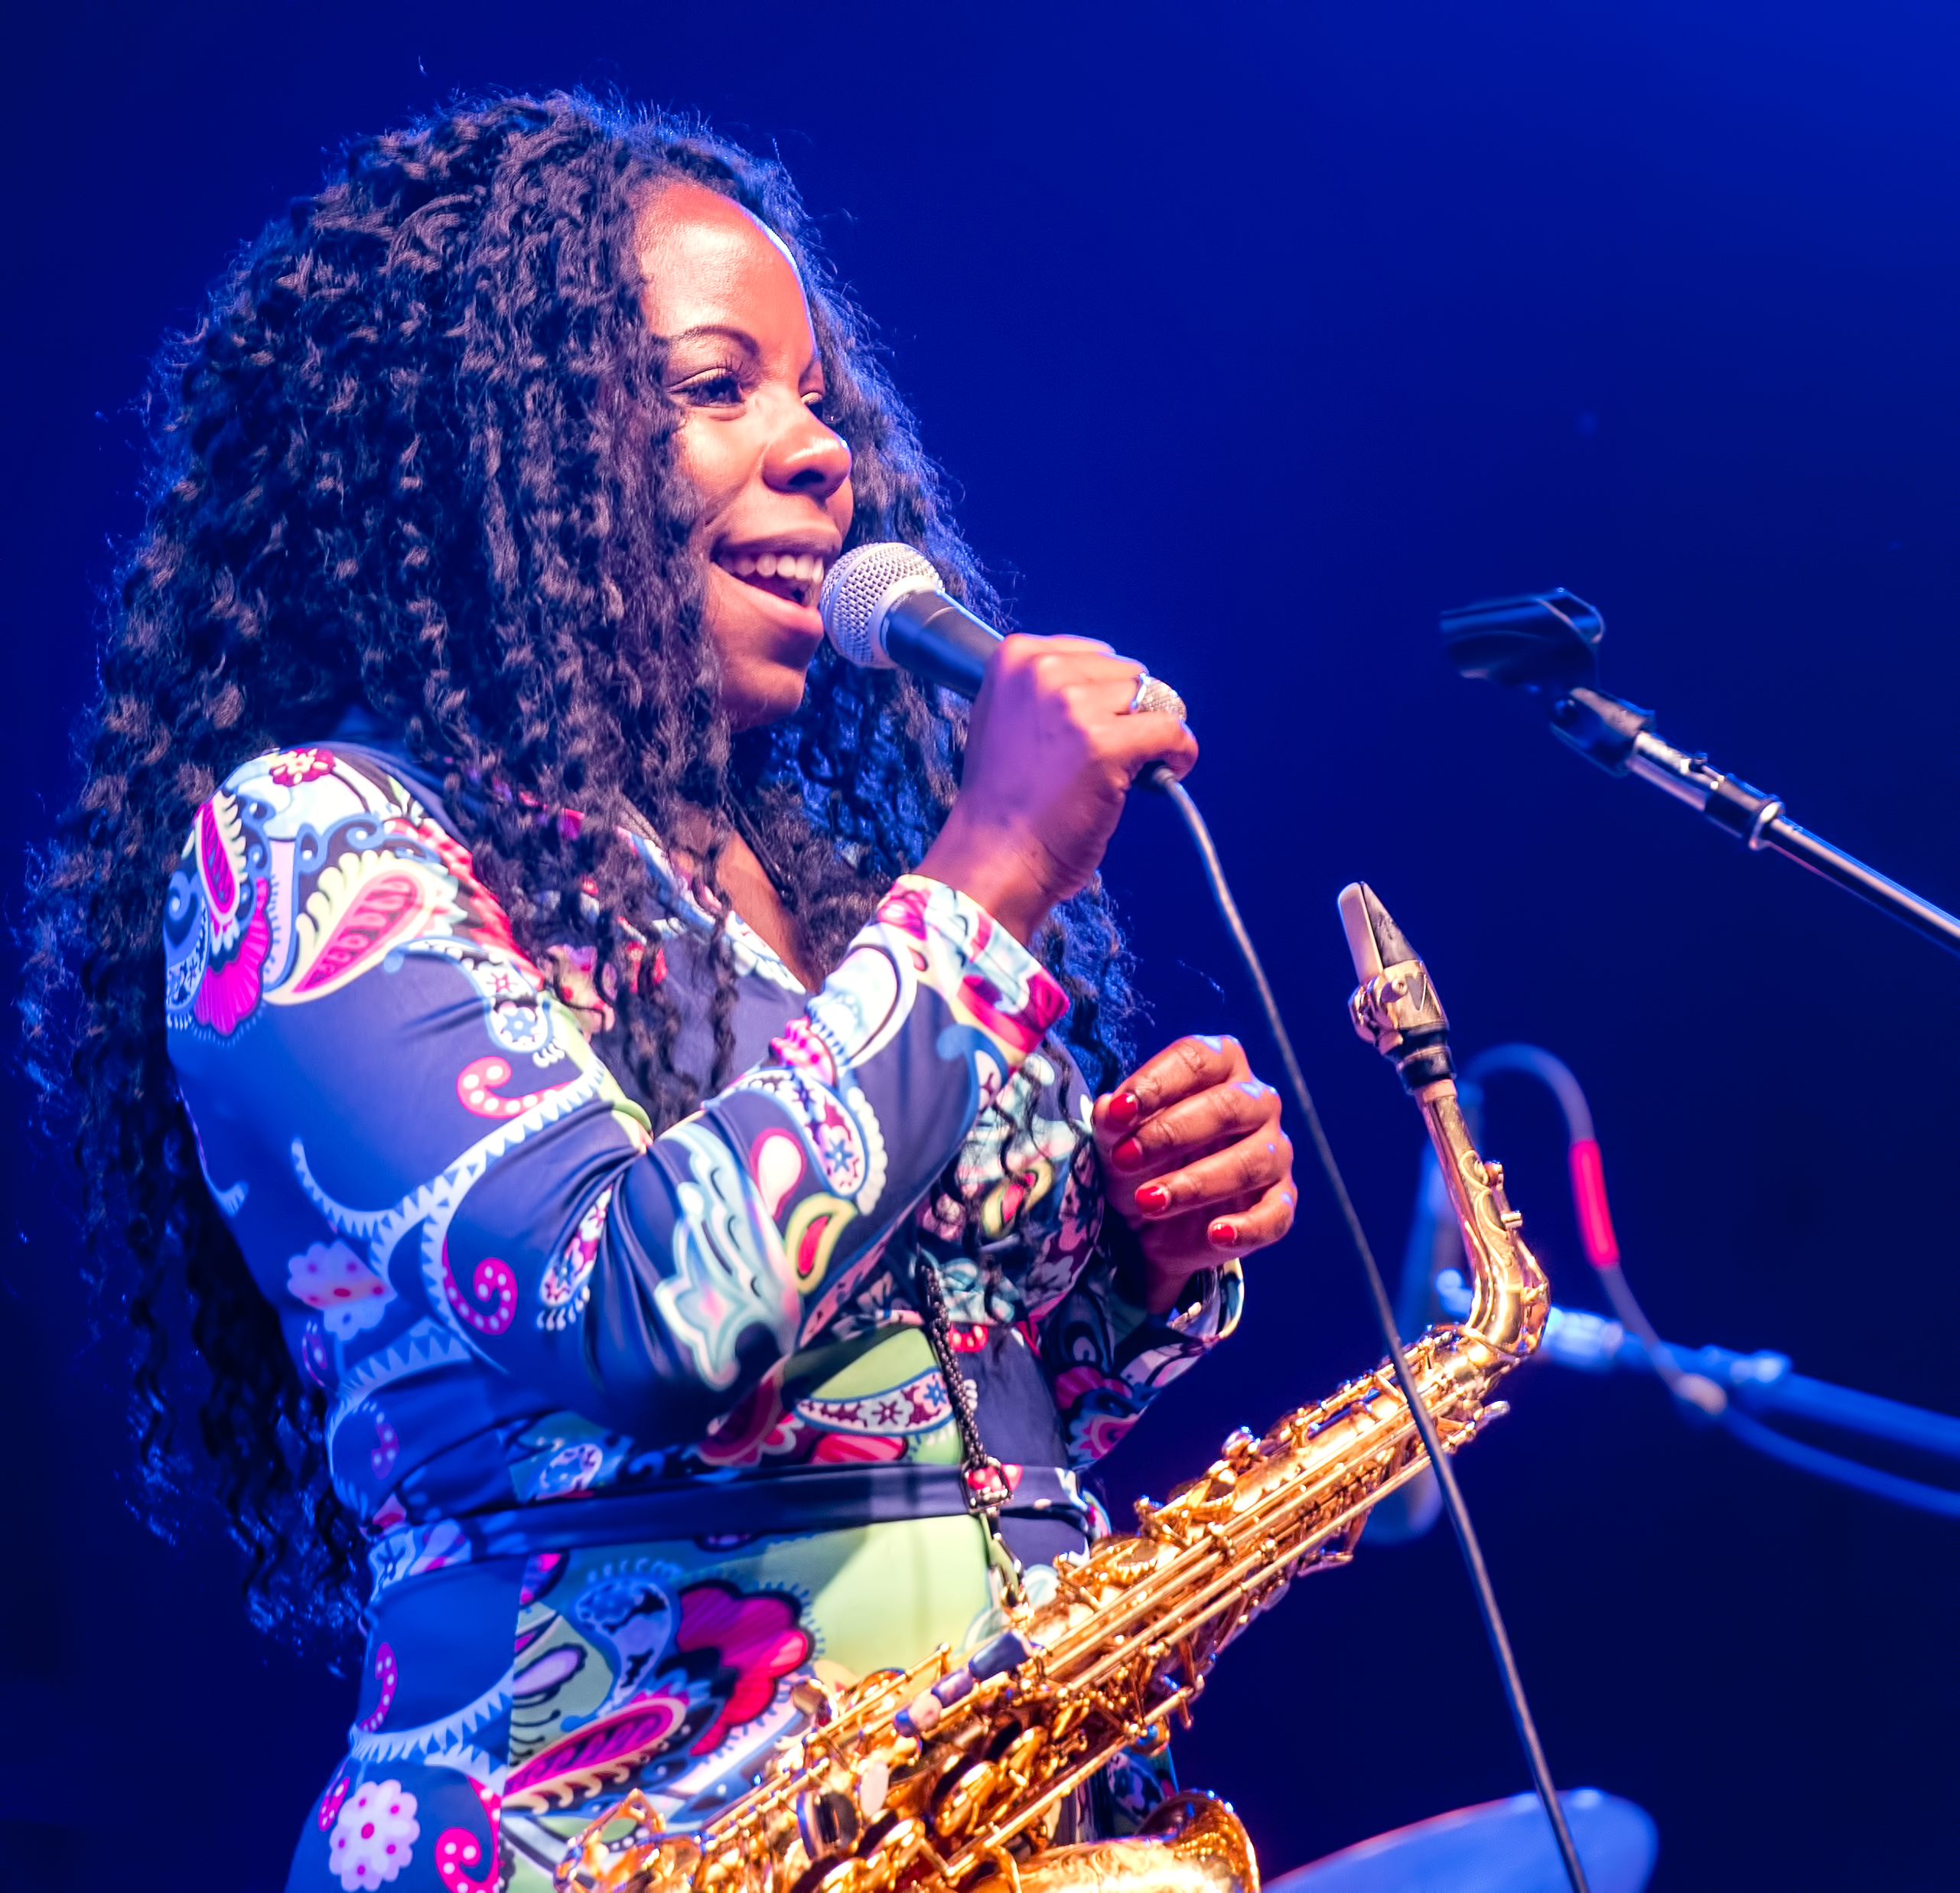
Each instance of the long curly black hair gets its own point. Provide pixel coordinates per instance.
(417, 456)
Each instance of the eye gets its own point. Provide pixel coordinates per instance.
(712, 388)
(818, 404)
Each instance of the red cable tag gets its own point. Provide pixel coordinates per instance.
(1589, 1204)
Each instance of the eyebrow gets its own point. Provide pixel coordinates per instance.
(741, 337)
(727, 329)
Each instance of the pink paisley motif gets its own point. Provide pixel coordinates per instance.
(776, 1162)
(1072, 1382)
(1021, 1031)
(459, 1849)
(904, 908)
(1094, 1434)
(386, 1676)
(298, 766)
(756, 1426)
(337, 1790)
(222, 886)
(855, 1449)
(1101, 1410)
(800, 1048)
(916, 1406)
(476, 1089)
(635, 1733)
(494, 1287)
(385, 909)
(228, 992)
(757, 1637)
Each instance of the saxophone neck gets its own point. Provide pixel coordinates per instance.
(1396, 1009)
(1510, 1297)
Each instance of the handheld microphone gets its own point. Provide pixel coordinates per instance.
(882, 608)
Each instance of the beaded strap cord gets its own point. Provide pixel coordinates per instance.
(982, 1476)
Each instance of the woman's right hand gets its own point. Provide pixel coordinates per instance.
(1050, 755)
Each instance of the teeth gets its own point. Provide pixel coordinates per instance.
(804, 567)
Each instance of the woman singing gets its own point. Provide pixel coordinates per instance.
(587, 1056)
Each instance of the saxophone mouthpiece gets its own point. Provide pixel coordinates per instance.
(1395, 1007)
(1374, 940)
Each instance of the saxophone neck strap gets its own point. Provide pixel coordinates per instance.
(985, 1484)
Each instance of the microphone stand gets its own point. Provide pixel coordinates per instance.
(1621, 739)
(1547, 643)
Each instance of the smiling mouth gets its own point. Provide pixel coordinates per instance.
(795, 576)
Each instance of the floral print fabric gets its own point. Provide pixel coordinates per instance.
(539, 1328)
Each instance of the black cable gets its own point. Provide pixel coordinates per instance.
(1161, 779)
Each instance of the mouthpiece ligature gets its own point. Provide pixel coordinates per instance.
(1394, 1008)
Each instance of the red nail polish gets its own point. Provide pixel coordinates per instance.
(1153, 1198)
(1124, 1109)
(1221, 1234)
(1128, 1156)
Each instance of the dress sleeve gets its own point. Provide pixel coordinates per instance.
(1106, 1357)
(410, 1136)
(1032, 1241)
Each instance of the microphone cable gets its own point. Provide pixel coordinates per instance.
(1702, 1398)
(1159, 777)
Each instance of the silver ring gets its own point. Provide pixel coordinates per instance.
(1154, 696)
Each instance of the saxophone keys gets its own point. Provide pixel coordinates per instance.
(849, 1875)
(920, 1716)
(1066, 1717)
(1017, 1760)
(961, 1804)
(873, 1784)
(827, 1820)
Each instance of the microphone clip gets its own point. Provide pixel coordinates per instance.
(1546, 643)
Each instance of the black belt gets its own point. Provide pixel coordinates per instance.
(832, 1498)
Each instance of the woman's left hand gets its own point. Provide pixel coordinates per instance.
(1194, 1161)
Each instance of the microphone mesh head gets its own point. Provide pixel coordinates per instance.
(861, 587)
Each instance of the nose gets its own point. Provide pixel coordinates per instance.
(805, 457)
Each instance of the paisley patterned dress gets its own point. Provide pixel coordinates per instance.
(644, 1430)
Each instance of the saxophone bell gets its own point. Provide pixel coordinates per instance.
(1193, 1843)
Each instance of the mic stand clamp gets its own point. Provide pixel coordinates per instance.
(1621, 739)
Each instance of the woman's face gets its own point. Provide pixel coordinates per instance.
(774, 482)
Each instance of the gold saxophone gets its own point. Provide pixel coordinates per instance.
(938, 1776)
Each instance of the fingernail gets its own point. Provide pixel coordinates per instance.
(1128, 1156)
(1222, 1233)
(1153, 1199)
(1124, 1109)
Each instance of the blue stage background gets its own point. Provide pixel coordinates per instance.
(1252, 335)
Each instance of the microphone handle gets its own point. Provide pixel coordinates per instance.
(937, 638)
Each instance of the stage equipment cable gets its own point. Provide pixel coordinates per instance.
(1161, 779)
(1702, 1398)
